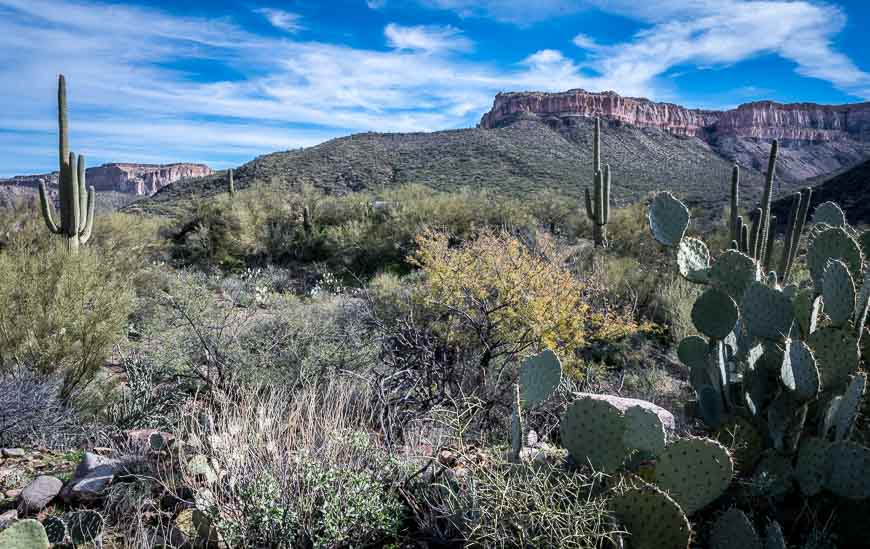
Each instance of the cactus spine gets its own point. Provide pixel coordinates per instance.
(598, 202)
(76, 202)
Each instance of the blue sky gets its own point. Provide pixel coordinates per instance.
(222, 81)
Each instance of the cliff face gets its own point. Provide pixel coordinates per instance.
(762, 119)
(630, 110)
(815, 139)
(135, 179)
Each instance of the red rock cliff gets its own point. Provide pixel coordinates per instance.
(138, 179)
(764, 119)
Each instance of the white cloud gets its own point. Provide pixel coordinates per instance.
(427, 38)
(376, 4)
(284, 20)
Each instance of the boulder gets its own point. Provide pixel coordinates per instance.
(91, 479)
(38, 494)
(7, 518)
(12, 452)
(624, 404)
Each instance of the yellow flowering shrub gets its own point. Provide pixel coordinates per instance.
(511, 298)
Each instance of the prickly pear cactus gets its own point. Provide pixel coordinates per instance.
(838, 291)
(733, 530)
(837, 355)
(24, 534)
(799, 372)
(767, 313)
(85, 527)
(733, 272)
(715, 314)
(694, 471)
(829, 213)
(849, 475)
(593, 432)
(812, 467)
(654, 519)
(849, 406)
(540, 375)
(668, 219)
(644, 431)
(55, 529)
(832, 243)
(693, 260)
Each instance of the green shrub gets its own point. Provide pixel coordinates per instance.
(210, 236)
(60, 313)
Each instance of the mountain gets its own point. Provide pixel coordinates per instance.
(850, 189)
(815, 140)
(135, 179)
(520, 158)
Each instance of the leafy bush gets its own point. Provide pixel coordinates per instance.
(511, 298)
(210, 236)
(60, 313)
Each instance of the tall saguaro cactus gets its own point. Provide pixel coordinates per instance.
(231, 183)
(598, 202)
(757, 239)
(76, 202)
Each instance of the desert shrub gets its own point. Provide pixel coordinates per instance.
(299, 470)
(500, 505)
(210, 236)
(511, 298)
(674, 299)
(149, 398)
(60, 313)
(31, 412)
(131, 241)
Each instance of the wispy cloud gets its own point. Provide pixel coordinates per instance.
(284, 20)
(427, 38)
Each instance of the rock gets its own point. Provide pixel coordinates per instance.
(625, 403)
(135, 179)
(8, 518)
(12, 494)
(13, 452)
(92, 477)
(149, 439)
(38, 494)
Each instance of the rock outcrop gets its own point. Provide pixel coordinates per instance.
(762, 119)
(134, 179)
(816, 140)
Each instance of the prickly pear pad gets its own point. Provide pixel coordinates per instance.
(668, 219)
(838, 291)
(829, 213)
(693, 260)
(540, 375)
(715, 314)
(694, 471)
(654, 520)
(644, 430)
(733, 530)
(767, 312)
(836, 352)
(592, 431)
(799, 373)
(850, 470)
(733, 272)
(834, 243)
(812, 467)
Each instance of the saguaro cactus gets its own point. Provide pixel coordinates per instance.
(231, 184)
(598, 202)
(76, 203)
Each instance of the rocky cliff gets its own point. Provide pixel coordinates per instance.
(134, 179)
(816, 139)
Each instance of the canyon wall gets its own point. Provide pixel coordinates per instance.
(809, 122)
(135, 179)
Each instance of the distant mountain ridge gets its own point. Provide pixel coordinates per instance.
(850, 189)
(815, 139)
(128, 178)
